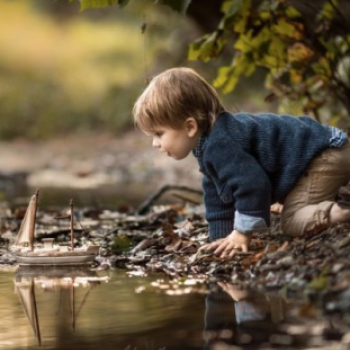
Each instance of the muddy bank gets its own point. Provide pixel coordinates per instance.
(125, 165)
(168, 238)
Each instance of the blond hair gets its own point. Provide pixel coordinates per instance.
(172, 97)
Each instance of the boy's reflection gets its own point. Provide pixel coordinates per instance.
(238, 317)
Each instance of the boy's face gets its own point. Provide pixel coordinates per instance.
(176, 143)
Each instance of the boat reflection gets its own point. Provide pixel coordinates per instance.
(63, 282)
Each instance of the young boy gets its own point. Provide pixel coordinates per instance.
(248, 161)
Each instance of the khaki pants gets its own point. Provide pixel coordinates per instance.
(306, 208)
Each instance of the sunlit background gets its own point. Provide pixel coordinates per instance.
(68, 81)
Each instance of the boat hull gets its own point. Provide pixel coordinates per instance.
(55, 260)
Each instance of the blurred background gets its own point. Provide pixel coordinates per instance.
(68, 81)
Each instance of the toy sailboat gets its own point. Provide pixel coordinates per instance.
(27, 253)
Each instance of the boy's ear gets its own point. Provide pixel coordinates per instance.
(191, 126)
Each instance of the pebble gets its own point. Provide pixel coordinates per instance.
(287, 261)
(9, 235)
(343, 242)
(268, 268)
(337, 267)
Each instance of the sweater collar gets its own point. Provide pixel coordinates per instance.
(198, 151)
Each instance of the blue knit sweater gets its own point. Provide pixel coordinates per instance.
(250, 161)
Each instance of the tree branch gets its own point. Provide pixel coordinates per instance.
(144, 207)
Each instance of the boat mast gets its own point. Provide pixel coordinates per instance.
(72, 224)
(31, 241)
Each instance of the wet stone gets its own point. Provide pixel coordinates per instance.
(268, 267)
(287, 261)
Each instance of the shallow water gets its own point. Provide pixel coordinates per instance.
(81, 309)
(110, 313)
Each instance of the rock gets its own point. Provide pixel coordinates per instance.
(287, 261)
(268, 268)
(147, 242)
(8, 235)
(343, 242)
(103, 251)
(338, 267)
(276, 255)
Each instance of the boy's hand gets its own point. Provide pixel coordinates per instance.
(228, 246)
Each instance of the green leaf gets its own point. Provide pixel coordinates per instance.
(249, 69)
(85, 4)
(177, 5)
(222, 77)
(271, 62)
(245, 10)
(239, 65)
(238, 68)
(327, 10)
(226, 5)
(207, 47)
(265, 15)
(322, 67)
(231, 84)
(331, 46)
(319, 283)
(269, 6)
(295, 76)
(284, 28)
(244, 43)
(232, 7)
(277, 48)
(292, 12)
(196, 47)
(123, 3)
(335, 121)
(121, 243)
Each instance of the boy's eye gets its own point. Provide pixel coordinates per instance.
(158, 134)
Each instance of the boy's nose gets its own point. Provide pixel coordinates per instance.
(155, 143)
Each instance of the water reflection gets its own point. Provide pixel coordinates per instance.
(239, 317)
(55, 309)
(125, 313)
(62, 284)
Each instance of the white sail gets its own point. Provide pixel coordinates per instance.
(27, 230)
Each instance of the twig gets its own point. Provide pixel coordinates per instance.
(144, 207)
(186, 199)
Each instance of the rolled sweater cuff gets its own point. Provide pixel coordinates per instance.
(246, 223)
(220, 228)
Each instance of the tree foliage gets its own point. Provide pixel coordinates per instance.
(177, 5)
(305, 59)
(304, 62)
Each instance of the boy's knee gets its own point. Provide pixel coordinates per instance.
(303, 222)
(291, 228)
